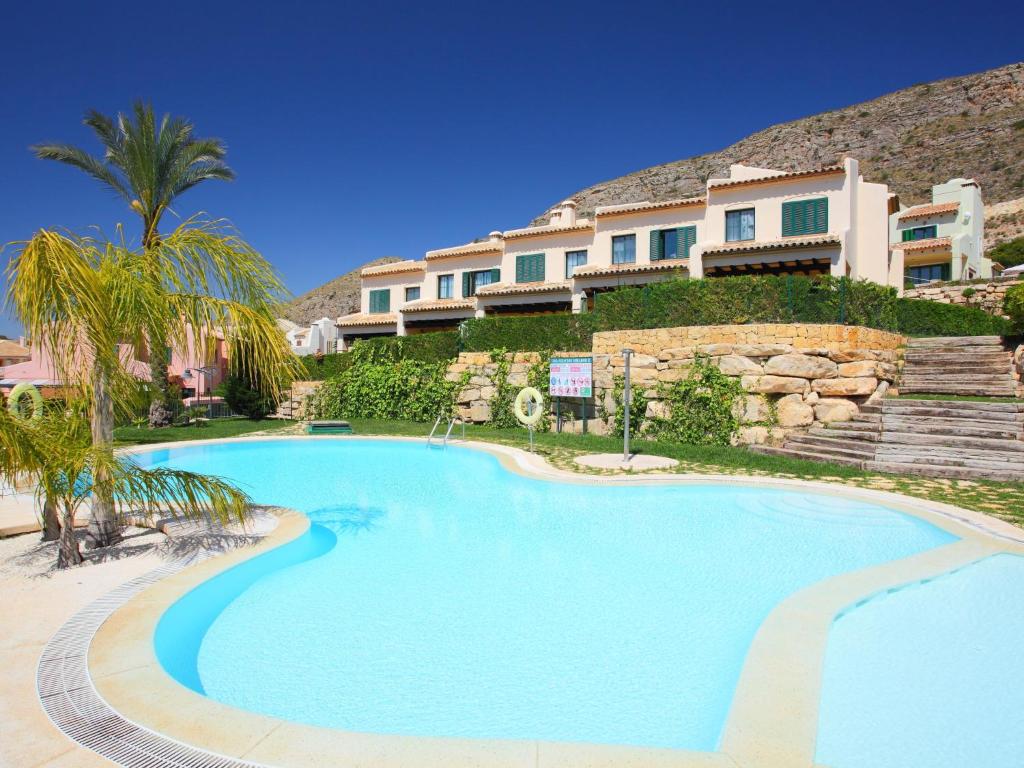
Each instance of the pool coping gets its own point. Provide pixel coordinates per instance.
(772, 721)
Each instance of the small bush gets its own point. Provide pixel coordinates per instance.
(918, 317)
(1013, 306)
(703, 407)
(433, 347)
(243, 399)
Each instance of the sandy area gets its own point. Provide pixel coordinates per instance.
(37, 599)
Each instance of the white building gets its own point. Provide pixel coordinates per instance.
(755, 221)
(942, 240)
(320, 336)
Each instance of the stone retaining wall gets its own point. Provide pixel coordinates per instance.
(795, 375)
(987, 296)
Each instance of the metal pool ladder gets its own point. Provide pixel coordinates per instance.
(448, 432)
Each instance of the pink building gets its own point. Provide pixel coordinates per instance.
(197, 376)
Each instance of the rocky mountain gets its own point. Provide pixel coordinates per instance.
(970, 126)
(338, 297)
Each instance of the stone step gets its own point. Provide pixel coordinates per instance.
(967, 366)
(1008, 430)
(872, 417)
(962, 388)
(852, 426)
(956, 354)
(850, 436)
(832, 446)
(999, 459)
(952, 341)
(957, 442)
(948, 406)
(957, 473)
(806, 455)
(965, 416)
(977, 375)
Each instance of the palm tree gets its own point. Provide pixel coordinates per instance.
(148, 163)
(90, 302)
(57, 452)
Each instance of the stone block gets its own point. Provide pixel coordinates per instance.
(657, 409)
(852, 355)
(774, 384)
(676, 353)
(469, 394)
(804, 366)
(480, 381)
(480, 412)
(673, 374)
(793, 412)
(863, 385)
(751, 408)
(829, 409)
(762, 350)
(751, 436)
(716, 350)
(738, 365)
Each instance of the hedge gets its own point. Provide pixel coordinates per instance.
(750, 299)
(436, 347)
(920, 317)
(528, 334)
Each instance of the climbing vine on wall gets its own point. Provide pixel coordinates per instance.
(502, 414)
(637, 408)
(702, 408)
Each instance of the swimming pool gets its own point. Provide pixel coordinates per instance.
(440, 594)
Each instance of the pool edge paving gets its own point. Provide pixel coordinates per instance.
(772, 721)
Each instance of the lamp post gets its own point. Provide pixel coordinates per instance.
(209, 372)
(627, 353)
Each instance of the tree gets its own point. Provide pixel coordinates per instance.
(91, 302)
(58, 453)
(1009, 254)
(149, 163)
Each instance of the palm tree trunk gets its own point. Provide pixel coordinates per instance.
(51, 522)
(160, 415)
(68, 553)
(103, 526)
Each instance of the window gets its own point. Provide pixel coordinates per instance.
(380, 300)
(926, 272)
(672, 243)
(446, 286)
(623, 249)
(471, 281)
(412, 294)
(530, 268)
(805, 217)
(574, 259)
(739, 225)
(920, 233)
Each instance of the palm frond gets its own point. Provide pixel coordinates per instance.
(79, 158)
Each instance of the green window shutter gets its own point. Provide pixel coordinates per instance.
(530, 268)
(496, 275)
(656, 243)
(908, 234)
(788, 219)
(380, 300)
(820, 219)
(687, 236)
(520, 269)
(466, 284)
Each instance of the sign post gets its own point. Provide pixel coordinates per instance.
(626, 398)
(571, 377)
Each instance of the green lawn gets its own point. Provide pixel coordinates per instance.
(211, 429)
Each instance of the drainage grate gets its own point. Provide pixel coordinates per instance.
(76, 708)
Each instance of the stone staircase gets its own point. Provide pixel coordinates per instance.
(937, 438)
(290, 407)
(958, 365)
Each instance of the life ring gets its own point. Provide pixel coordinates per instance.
(14, 404)
(519, 406)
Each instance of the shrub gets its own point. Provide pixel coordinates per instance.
(919, 317)
(637, 408)
(702, 407)
(407, 389)
(567, 333)
(244, 399)
(1013, 306)
(753, 299)
(320, 367)
(1010, 253)
(426, 347)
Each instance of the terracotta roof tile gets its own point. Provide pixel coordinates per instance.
(923, 245)
(394, 268)
(920, 211)
(10, 348)
(547, 230)
(828, 170)
(366, 318)
(470, 249)
(786, 244)
(512, 289)
(438, 305)
(630, 269)
(627, 209)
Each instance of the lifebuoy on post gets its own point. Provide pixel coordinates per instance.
(14, 400)
(533, 395)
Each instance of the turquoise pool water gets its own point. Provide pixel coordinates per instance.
(439, 594)
(931, 675)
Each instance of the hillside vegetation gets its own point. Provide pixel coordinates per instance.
(338, 297)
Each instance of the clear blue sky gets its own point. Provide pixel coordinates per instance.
(372, 129)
